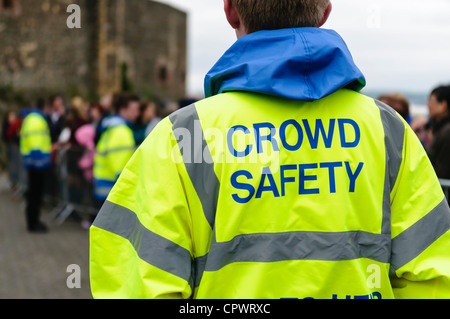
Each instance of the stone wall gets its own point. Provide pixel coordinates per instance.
(40, 54)
(159, 33)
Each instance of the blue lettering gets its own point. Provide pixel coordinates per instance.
(344, 142)
(376, 295)
(230, 141)
(267, 181)
(272, 185)
(353, 176)
(283, 135)
(285, 179)
(370, 296)
(242, 186)
(302, 190)
(346, 297)
(319, 130)
(270, 137)
(331, 166)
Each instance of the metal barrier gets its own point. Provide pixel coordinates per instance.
(66, 190)
(75, 192)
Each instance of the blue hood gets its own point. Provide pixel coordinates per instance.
(301, 63)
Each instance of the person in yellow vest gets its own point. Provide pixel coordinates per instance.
(115, 146)
(35, 148)
(285, 182)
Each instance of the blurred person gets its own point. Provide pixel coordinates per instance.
(55, 113)
(95, 115)
(35, 147)
(439, 147)
(10, 135)
(315, 187)
(158, 115)
(116, 145)
(8, 119)
(85, 137)
(149, 116)
(106, 109)
(421, 126)
(77, 117)
(399, 103)
(56, 116)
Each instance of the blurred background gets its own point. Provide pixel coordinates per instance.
(401, 46)
(159, 51)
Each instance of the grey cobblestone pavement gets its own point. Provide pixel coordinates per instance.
(35, 266)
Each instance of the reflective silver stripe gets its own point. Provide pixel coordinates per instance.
(288, 246)
(394, 130)
(150, 247)
(197, 159)
(117, 149)
(34, 133)
(414, 240)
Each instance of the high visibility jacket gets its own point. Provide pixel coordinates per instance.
(325, 194)
(115, 147)
(35, 141)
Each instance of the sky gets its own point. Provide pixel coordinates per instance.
(400, 46)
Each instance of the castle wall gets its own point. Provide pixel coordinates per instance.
(39, 53)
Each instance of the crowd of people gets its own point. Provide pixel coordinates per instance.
(76, 133)
(85, 137)
(433, 130)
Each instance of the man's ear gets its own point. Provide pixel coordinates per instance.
(326, 15)
(232, 15)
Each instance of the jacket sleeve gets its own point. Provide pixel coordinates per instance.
(420, 226)
(140, 242)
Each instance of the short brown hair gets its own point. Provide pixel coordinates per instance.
(280, 14)
(398, 102)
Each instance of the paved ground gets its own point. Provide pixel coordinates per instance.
(34, 266)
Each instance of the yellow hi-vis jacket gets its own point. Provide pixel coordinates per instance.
(35, 141)
(114, 149)
(243, 195)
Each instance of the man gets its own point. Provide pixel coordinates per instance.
(439, 148)
(284, 183)
(115, 146)
(56, 117)
(35, 147)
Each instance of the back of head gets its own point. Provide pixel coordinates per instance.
(280, 14)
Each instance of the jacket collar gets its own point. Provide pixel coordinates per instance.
(300, 63)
